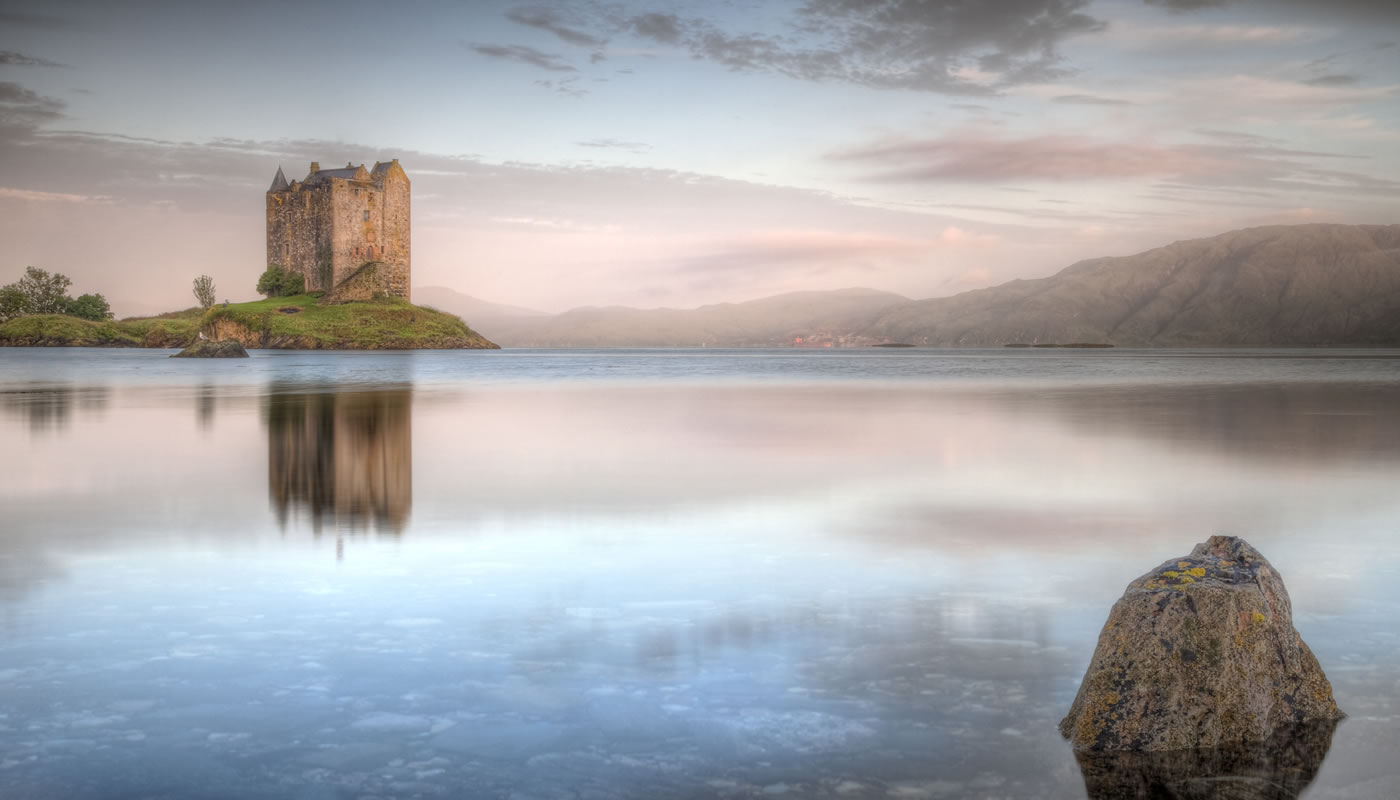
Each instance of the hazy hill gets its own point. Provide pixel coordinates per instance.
(772, 321)
(1281, 285)
(477, 312)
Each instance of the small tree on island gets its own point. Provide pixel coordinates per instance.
(204, 291)
(278, 282)
(47, 294)
(89, 306)
(38, 292)
(13, 303)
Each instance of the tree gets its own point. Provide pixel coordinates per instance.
(204, 291)
(89, 306)
(47, 294)
(13, 302)
(278, 282)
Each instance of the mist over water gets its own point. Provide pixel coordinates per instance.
(659, 573)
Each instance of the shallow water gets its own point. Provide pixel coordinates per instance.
(655, 573)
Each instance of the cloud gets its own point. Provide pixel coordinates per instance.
(1089, 100)
(1186, 5)
(50, 197)
(1246, 91)
(977, 158)
(1331, 10)
(525, 55)
(1207, 36)
(12, 19)
(796, 253)
(24, 108)
(13, 59)
(1236, 137)
(549, 19)
(954, 48)
(1332, 80)
(664, 28)
(567, 86)
(615, 144)
(1051, 157)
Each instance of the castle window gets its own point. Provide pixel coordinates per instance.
(366, 215)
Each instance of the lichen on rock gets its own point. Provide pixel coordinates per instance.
(1200, 652)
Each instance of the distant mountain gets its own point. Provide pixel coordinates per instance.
(1281, 285)
(479, 314)
(814, 318)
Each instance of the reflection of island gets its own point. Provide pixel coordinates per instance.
(51, 407)
(1279, 769)
(346, 457)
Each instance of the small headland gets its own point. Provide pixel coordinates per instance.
(298, 322)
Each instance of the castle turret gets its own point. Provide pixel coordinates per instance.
(279, 181)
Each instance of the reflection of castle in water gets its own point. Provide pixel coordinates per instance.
(343, 457)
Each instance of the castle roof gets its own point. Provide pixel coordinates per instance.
(279, 181)
(324, 175)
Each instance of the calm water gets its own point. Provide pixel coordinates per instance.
(649, 574)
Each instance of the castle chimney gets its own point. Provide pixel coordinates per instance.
(315, 167)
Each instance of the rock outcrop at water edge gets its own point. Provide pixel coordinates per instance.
(1198, 653)
(203, 348)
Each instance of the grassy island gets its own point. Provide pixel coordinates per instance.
(299, 322)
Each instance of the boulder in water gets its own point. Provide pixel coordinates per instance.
(203, 348)
(1200, 652)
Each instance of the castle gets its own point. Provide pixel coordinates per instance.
(345, 230)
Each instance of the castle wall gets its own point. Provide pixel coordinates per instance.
(350, 232)
(298, 238)
(396, 233)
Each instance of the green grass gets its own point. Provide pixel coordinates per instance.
(43, 329)
(388, 323)
(171, 329)
(384, 323)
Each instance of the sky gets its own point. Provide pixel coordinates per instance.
(678, 153)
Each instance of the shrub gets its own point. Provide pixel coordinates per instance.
(89, 306)
(278, 282)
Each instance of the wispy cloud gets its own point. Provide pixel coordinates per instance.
(1055, 158)
(32, 195)
(1361, 10)
(13, 59)
(1332, 80)
(615, 144)
(1089, 100)
(1138, 36)
(26, 108)
(552, 19)
(525, 55)
(977, 158)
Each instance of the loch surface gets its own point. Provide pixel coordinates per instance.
(665, 573)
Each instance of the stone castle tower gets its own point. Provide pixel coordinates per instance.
(345, 230)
